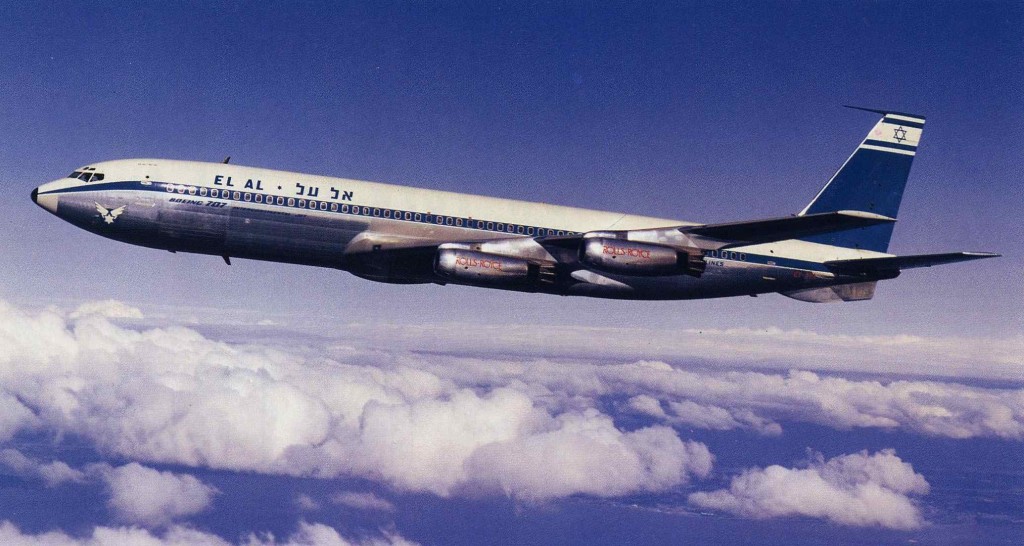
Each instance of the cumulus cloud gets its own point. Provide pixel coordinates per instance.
(107, 308)
(362, 501)
(585, 453)
(318, 534)
(152, 498)
(53, 473)
(857, 489)
(172, 395)
(308, 534)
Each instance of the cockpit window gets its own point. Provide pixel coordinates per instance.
(86, 176)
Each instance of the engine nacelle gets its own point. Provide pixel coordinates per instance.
(481, 268)
(640, 259)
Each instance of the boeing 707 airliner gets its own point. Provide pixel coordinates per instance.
(834, 250)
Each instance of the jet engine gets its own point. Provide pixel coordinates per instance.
(481, 268)
(640, 259)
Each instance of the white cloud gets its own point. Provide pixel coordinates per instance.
(318, 534)
(112, 309)
(585, 453)
(362, 501)
(306, 503)
(307, 534)
(53, 473)
(857, 489)
(171, 395)
(152, 498)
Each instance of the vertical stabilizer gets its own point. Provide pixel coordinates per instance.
(871, 180)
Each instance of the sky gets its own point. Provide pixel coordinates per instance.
(169, 397)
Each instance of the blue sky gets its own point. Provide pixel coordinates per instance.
(698, 111)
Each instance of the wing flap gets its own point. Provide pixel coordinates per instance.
(788, 227)
(896, 263)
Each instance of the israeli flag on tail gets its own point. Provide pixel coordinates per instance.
(872, 180)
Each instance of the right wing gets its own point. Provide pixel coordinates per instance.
(788, 227)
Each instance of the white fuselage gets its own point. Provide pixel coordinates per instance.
(392, 233)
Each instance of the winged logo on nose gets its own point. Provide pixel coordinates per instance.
(109, 215)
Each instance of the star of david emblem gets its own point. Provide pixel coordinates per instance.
(900, 134)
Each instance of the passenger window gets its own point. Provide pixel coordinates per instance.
(387, 213)
(302, 203)
(248, 196)
(418, 217)
(280, 200)
(440, 219)
(291, 201)
(490, 226)
(334, 207)
(510, 228)
(529, 231)
(376, 212)
(501, 227)
(202, 192)
(259, 197)
(458, 221)
(214, 192)
(408, 216)
(236, 196)
(323, 205)
(355, 210)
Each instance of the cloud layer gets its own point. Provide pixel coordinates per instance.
(530, 428)
(857, 489)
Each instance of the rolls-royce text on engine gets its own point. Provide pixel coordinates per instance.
(633, 258)
(491, 269)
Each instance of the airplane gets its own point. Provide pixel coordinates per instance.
(834, 250)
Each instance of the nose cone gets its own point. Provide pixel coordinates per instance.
(44, 199)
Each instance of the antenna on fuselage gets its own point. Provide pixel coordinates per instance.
(226, 159)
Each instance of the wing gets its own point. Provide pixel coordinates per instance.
(788, 227)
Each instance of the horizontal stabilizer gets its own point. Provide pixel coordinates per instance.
(896, 263)
(788, 227)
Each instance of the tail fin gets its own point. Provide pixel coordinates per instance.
(871, 180)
